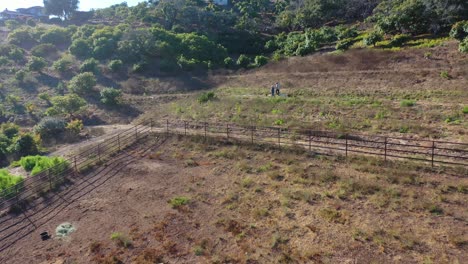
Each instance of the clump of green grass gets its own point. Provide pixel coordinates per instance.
(445, 75)
(279, 122)
(37, 164)
(332, 215)
(121, 240)
(247, 182)
(198, 250)
(407, 103)
(465, 110)
(435, 209)
(177, 202)
(7, 181)
(206, 97)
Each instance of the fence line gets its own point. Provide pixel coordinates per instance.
(433, 152)
(429, 151)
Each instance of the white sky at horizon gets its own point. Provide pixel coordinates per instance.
(85, 5)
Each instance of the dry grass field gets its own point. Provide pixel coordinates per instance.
(188, 201)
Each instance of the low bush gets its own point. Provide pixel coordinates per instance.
(63, 65)
(37, 164)
(399, 40)
(260, 60)
(90, 65)
(115, 65)
(111, 96)
(177, 202)
(465, 109)
(372, 38)
(49, 127)
(459, 30)
(243, 61)
(344, 44)
(7, 181)
(36, 64)
(43, 50)
(205, 97)
(121, 240)
(407, 103)
(82, 83)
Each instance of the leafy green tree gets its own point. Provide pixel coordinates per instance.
(24, 145)
(49, 127)
(260, 60)
(43, 50)
(82, 83)
(56, 36)
(21, 37)
(111, 96)
(63, 65)
(61, 8)
(372, 38)
(115, 65)
(36, 64)
(243, 61)
(67, 104)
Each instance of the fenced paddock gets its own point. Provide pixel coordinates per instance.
(432, 153)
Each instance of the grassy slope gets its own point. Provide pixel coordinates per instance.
(359, 90)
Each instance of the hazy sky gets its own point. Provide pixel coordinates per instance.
(85, 5)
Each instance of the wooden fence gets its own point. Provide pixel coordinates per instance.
(52, 178)
(431, 152)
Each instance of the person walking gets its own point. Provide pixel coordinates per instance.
(277, 86)
(272, 91)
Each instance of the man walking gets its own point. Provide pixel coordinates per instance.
(277, 86)
(272, 91)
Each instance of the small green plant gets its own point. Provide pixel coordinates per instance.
(37, 164)
(279, 122)
(435, 210)
(407, 103)
(7, 181)
(404, 129)
(121, 240)
(206, 97)
(111, 96)
(465, 110)
(247, 182)
(198, 251)
(177, 202)
(445, 75)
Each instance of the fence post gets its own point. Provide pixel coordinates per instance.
(310, 141)
(346, 148)
(279, 137)
(74, 162)
(385, 149)
(227, 131)
(433, 150)
(99, 151)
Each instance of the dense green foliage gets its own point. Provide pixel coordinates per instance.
(50, 127)
(82, 83)
(7, 181)
(37, 164)
(15, 144)
(111, 96)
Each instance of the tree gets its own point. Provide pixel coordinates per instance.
(67, 104)
(111, 96)
(61, 8)
(82, 83)
(36, 64)
(372, 38)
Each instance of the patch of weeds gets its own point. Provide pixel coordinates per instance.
(407, 103)
(445, 75)
(360, 235)
(177, 202)
(278, 122)
(245, 167)
(121, 240)
(453, 120)
(206, 97)
(276, 111)
(404, 129)
(261, 212)
(381, 114)
(332, 215)
(277, 240)
(191, 163)
(275, 175)
(198, 251)
(247, 182)
(264, 168)
(435, 209)
(356, 189)
(327, 176)
(301, 195)
(225, 153)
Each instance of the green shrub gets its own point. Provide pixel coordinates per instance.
(121, 240)
(459, 30)
(179, 201)
(75, 126)
(399, 40)
(243, 61)
(115, 65)
(7, 181)
(21, 37)
(90, 65)
(111, 96)
(36, 64)
(444, 74)
(465, 109)
(63, 65)
(43, 50)
(80, 48)
(344, 44)
(372, 38)
(67, 104)
(407, 103)
(37, 164)
(25, 144)
(463, 46)
(205, 97)
(49, 127)
(56, 36)
(82, 83)
(260, 60)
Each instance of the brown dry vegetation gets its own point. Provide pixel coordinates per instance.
(255, 204)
